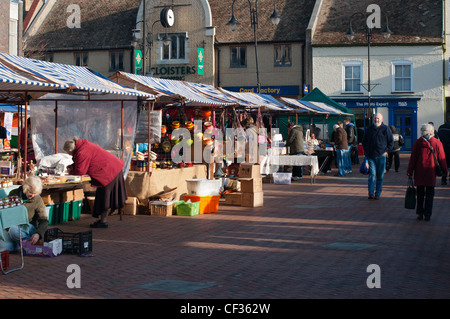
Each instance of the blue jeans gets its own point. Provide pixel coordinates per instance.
(348, 159)
(341, 162)
(11, 236)
(377, 167)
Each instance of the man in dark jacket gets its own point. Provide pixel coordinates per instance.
(296, 147)
(351, 140)
(377, 143)
(444, 136)
(341, 146)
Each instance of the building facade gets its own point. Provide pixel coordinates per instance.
(11, 26)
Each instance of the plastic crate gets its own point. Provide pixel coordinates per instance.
(282, 178)
(72, 243)
(51, 213)
(187, 209)
(75, 210)
(5, 259)
(63, 214)
(208, 204)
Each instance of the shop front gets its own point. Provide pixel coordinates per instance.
(400, 112)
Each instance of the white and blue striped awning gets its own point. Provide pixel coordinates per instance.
(30, 74)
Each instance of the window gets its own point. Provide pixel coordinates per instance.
(81, 59)
(238, 57)
(402, 76)
(47, 57)
(283, 55)
(352, 77)
(116, 61)
(13, 23)
(175, 50)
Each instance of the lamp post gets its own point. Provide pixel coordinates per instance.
(368, 29)
(275, 18)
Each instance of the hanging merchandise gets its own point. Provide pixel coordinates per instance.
(175, 125)
(189, 125)
(190, 112)
(205, 112)
(163, 130)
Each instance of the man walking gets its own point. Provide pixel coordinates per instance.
(444, 136)
(351, 140)
(341, 146)
(377, 143)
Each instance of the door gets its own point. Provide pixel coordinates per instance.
(405, 124)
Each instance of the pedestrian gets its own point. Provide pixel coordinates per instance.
(444, 137)
(252, 140)
(435, 132)
(352, 143)
(394, 155)
(296, 147)
(421, 167)
(30, 194)
(341, 146)
(377, 143)
(105, 170)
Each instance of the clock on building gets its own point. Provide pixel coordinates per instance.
(167, 17)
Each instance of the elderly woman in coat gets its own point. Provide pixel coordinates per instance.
(105, 170)
(421, 165)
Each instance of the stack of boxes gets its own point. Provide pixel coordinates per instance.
(63, 206)
(251, 194)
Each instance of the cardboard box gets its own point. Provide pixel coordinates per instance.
(78, 194)
(252, 199)
(66, 196)
(50, 197)
(247, 170)
(91, 200)
(251, 185)
(50, 249)
(130, 207)
(234, 199)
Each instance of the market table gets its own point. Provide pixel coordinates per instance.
(297, 160)
(9, 217)
(325, 158)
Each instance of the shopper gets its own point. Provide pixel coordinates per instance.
(421, 166)
(251, 148)
(30, 193)
(394, 155)
(444, 137)
(352, 143)
(377, 143)
(296, 147)
(341, 146)
(105, 170)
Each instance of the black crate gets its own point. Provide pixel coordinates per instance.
(73, 243)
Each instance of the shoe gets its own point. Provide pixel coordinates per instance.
(339, 175)
(419, 217)
(427, 218)
(377, 197)
(396, 170)
(98, 224)
(444, 183)
(371, 197)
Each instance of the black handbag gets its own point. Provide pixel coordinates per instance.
(410, 197)
(437, 167)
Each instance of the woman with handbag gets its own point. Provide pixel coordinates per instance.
(422, 166)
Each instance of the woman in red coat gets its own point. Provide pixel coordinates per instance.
(421, 165)
(105, 170)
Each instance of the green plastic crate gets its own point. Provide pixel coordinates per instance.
(51, 213)
(187, 209)
(64, 209)
(75, 210)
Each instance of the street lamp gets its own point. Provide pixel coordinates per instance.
(351, 35)
(275, 18)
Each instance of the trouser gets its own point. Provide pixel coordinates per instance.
(297, 171)
(447, 158)
(348, 159)
(395, 156)
(341, 161)
(377, 167)
(425, 195)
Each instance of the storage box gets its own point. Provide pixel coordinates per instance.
(5, 259)
(66, 196)
(252, 199)
(72, 243)
(130, 207)
(78, 194)
(234, 199)
(51, 214)
(282, 178)
(251, 185)
(50, 197)
(49, 249)
(208, 204)
(160, 208)
(75, 210)
(247, 170)
(203, 187)
(63, 211)
(187, 209)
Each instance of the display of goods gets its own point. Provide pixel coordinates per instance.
(163, 130)
(175, 125)
(207, 125)
(189, 125)
(205, 112)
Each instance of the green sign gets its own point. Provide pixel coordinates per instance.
(200, 61)
(138, 61)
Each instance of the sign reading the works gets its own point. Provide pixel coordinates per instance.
(174, 72)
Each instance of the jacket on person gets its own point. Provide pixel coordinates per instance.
(444, 135)
(351, 136)
(421, 163)
(398, 142)
(340, 139)
(37, 215)
(96, 162)
(377, 141)
(295, 140)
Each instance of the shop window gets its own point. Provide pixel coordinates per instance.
(174, 48)
(81, 58)
(352, 77)
(116, 61)
(238, 57)
(402, 76)
(282, 55)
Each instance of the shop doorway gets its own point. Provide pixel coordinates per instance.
(405, 122)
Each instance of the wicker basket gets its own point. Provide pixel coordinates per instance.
(159, 208)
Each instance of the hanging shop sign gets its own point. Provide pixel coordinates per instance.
(272, 90)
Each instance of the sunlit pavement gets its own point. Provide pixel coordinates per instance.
(308, 241)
